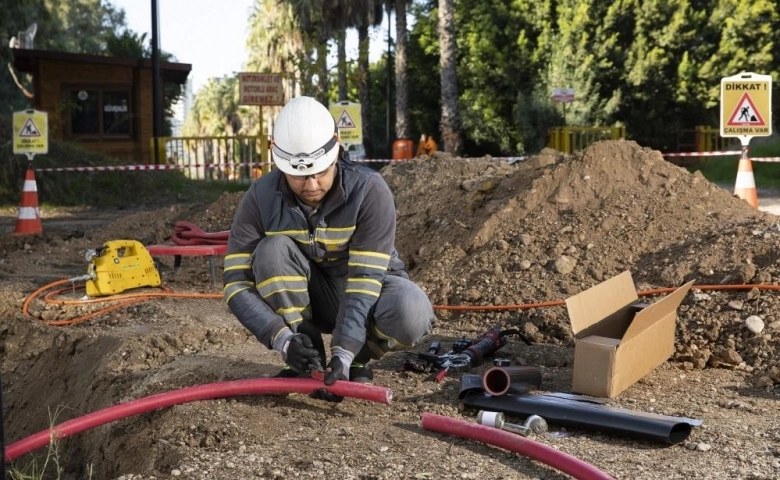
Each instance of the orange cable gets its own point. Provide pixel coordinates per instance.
(139, 297)
(129, 299)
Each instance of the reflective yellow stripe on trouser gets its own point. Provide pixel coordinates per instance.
(288, 296)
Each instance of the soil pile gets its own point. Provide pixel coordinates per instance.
(473, 232)
(478, 232)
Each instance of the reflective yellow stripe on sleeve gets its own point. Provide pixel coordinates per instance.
(372, 260)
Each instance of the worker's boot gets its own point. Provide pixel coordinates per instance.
(360, 371)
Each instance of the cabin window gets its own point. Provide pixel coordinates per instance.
(99, 112)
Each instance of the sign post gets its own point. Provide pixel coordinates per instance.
(564, 96)
(746, 106)
(746, 112)
(31, 133)
(348, 121)
(30, 137)
(261, 89)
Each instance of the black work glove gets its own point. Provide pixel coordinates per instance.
(301, 355)
(335, 371)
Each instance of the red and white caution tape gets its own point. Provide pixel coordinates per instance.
(131, 168)
(714, 154)
(126, 168)
(700, 154)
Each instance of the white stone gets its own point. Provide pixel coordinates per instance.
(754, 324)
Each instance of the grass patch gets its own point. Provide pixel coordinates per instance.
(112, 189)
(724, 169)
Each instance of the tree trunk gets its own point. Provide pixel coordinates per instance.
(401, 93)
(450, 115)
(364, 89)
(341, 44)
(322, 71)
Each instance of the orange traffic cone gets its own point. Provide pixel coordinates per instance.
(745, 186)
(28, 221)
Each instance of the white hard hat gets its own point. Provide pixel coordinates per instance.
(305, 139)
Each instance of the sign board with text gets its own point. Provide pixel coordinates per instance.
(260, 89)
(563, 95)
(31, 132)
(347, 116)
(746, 106)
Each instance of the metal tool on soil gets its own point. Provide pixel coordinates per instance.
(533, 425)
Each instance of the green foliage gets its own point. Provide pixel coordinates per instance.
(534, 116)
(423, 74)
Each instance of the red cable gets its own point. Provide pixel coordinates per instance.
(524, 446)
(268, 386)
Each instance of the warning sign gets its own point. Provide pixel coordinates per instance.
(345, 121)
(347, 116)
(746, 106)
(746, 113)
(31, 132)
(29, 129)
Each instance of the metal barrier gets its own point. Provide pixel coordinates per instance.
(701, 139)
(236, 159)
(571, 139)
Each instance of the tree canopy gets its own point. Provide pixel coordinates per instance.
(651, 66)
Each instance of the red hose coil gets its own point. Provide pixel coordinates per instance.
(269, 386)
(524, 446)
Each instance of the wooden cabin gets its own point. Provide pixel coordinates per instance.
(101, 103)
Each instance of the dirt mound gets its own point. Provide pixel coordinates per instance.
(480, 232)
(474, 232)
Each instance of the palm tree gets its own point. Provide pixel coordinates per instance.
(275, 43)
(450, 115)
(401, 93)
(368, 13)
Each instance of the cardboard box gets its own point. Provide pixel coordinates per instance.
(619, 340)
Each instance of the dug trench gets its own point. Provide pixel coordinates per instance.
(475, 233)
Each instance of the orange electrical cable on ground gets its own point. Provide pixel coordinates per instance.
(123, 299)
(130, 299)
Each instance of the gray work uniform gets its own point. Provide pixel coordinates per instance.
(335, 266)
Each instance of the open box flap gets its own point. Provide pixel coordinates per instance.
(658, 310)
(600, 301)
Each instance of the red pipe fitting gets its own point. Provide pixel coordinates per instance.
(498, 380)
(524, 446)
(257, 386)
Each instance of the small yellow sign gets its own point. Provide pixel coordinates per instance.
(31, 132)
(347, 115)
(746, 106)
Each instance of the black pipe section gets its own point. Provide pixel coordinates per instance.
(472, 382)
(587, 415)
(499, 380)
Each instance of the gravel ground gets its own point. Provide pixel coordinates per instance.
(476, 234)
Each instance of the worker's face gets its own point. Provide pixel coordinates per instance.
(311, 189)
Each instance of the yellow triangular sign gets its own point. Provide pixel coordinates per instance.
(746, 114)
(345, 121)
(29, 129)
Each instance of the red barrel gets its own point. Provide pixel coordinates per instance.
(403, 149)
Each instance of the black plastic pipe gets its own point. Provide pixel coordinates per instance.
(499, 380)
(587, 415)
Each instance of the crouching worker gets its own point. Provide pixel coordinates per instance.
(311, 251)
